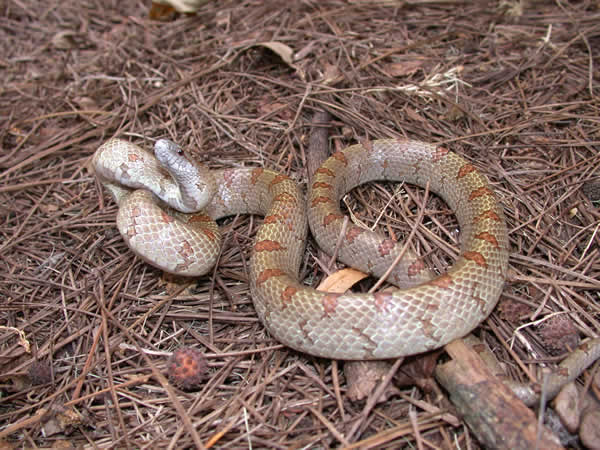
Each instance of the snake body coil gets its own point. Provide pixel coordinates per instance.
(343, 326)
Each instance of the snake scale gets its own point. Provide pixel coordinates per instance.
(172, 235)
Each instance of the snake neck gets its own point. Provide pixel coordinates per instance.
(193, 184)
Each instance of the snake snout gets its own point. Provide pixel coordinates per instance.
(170, 154)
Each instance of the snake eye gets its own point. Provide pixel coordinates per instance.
(180, 151)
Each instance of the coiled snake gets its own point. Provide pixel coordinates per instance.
(343, 326)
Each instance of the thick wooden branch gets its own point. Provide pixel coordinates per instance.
(490, 409)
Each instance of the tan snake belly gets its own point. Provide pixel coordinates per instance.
(342, 326)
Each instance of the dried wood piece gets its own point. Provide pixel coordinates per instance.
(494, 414)
(567, 405)
(318, 147)
(589, 432)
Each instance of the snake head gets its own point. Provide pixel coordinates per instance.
(171, 156)
(195, 183)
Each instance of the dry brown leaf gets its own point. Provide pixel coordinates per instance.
(223, 18)
(282, 50)
(268, 108)
(512, 310)
(64, 40)
(40, 372)
(168, 6)
(342, 280)
(15, 382)
(567, 405)
(331, 73)
(454, 114)
(62, 443)
(558, 334)
(86, 103)
(61, 421)
(404, 68)
(49, 208)
(161, 12)
(176, 284)
(18, 133)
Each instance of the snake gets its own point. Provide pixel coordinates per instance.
(168, 204)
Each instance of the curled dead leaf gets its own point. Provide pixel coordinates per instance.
(61, 420)
(86, 103)
(276, 108)
(342, 280)
(399, 69)
(223, 18)
(182, 6)
(331, 73)
(282, 50)
(268, 108)
(64, 40)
